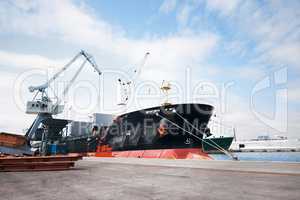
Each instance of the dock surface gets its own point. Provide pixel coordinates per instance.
(119, 178)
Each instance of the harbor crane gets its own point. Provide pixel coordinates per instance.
(44, 104)
(44, 107)
(126, 85)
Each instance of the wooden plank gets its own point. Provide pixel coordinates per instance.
(7, 160)
(36, 169)
(38, 166)
(11, 140)
(37, 163)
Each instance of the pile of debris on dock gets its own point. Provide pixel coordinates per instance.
(37, 163)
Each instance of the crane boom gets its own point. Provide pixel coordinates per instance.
(125, 86)
(88, 57)
(139, 68)
(69, 85)
(42, 87)
(45, 104)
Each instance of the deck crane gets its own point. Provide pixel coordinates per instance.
(126, 85)
(44, 107)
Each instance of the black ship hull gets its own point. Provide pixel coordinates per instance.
(165, 127)
(81, 144)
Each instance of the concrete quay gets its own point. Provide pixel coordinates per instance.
(128, 178)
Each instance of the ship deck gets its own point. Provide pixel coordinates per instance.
(129, 178)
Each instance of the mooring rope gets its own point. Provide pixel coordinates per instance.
(215, 146)
(200, 132)
(191, 133)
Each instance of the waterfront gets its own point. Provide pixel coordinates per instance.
(262, 156)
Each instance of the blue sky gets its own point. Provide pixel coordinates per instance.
(222, 43)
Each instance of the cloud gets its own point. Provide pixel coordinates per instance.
(76, 24)
(223, 7)
(239, 114)
(61, 19)
(10, 59)
(12, 118)
(235, 48)
(294, 95)
(184, 14)
(167, 6)
(266, 33)
(286, 53)
(248, 72)
(275, 38)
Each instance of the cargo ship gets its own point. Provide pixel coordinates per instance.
(167, 131)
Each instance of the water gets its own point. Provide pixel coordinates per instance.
(262, 156)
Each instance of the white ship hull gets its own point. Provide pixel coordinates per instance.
(266, 145)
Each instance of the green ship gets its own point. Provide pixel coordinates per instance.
(216, 145)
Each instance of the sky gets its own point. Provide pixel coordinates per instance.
(242, 57)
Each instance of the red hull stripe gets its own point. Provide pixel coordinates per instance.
(190, 153)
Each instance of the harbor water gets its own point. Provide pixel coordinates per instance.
(262, 156)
